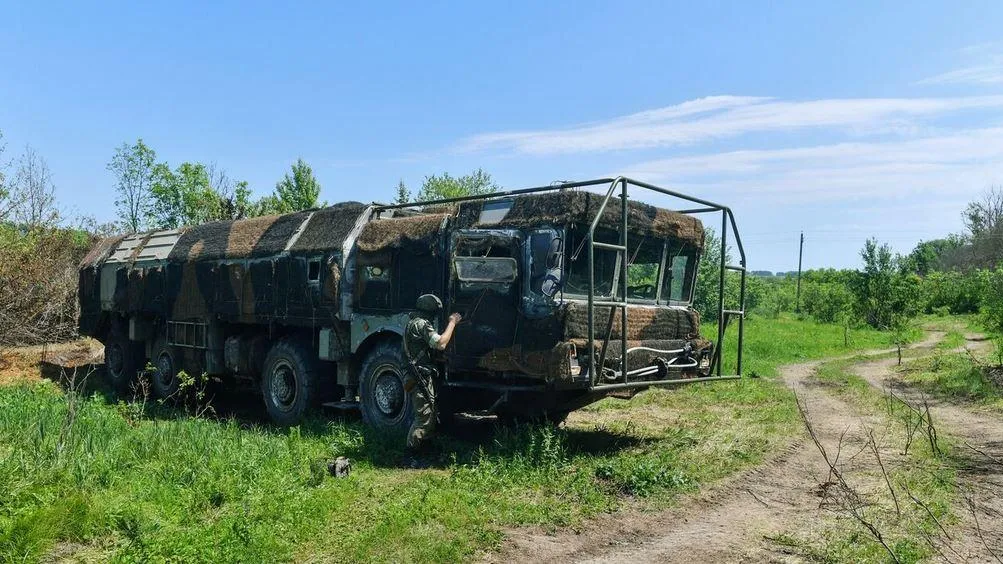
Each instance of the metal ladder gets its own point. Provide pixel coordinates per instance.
(596, 369)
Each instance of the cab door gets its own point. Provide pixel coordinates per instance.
(484, 282)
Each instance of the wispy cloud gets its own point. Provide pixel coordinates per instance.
(984, 66)
(951, 164)
(721, 117)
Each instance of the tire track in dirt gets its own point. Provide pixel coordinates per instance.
(979, 436)
(732, 520)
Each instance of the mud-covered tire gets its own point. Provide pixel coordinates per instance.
(123, 360)
(165, 361)
(289, 382)
(384, 404)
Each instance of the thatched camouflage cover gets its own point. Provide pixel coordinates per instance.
(561, 208)
(643, 322)
(326, 230)
(323, 230)
(329, 227)
(399, 231)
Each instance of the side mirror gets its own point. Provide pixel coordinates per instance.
(556, 254)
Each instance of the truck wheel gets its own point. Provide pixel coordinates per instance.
(121, 359)
(164, 379)
(288, 382)
(382, 399)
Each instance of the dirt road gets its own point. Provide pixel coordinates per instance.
(734, 520)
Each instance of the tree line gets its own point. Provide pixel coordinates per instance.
(153, 195)
(41, 244)
(961, 273)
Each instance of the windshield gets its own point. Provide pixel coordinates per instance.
(645, 282)
(606, 263)
(642, 268)
(680, 268)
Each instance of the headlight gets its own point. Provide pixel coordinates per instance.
(576, 369)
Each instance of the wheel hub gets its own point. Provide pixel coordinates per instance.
(389, 393)
(283, 387)
(165, 369)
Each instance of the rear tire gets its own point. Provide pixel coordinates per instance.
(384, 404)
(122, 360)
(288, 382)
(164, 377)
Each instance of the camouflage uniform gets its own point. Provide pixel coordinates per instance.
(420, 340)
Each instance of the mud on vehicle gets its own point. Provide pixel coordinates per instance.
(567, 296)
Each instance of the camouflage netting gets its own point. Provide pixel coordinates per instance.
(100, 251)
(559, 208)
(642, 322)
(259, 236)
(329, 227)
(332, 281)
(398, 231)
(248, 238)
(550, 364)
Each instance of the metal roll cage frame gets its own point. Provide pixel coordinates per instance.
(596, 377)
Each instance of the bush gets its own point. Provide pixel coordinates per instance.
(38, 284)
(827, 302)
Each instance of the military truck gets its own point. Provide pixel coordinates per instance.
(569, 293)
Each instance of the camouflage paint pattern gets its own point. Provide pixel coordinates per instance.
(255, 271)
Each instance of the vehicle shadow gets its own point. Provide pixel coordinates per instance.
(459, 439)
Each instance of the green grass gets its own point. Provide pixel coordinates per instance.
(955, 377)
(127, 484)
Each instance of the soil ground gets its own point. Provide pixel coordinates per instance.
(734, 520)
(47, 361)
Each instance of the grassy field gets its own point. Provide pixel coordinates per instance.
(92, 479)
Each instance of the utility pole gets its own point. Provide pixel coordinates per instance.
(797, 308)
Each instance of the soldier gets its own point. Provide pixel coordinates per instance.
(420, 339)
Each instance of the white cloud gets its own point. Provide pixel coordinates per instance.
(985, 67)
(977, 74)
(720, 117)
(962, 162)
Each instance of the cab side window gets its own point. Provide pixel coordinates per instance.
(485, 262)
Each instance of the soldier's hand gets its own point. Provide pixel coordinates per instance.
(455, 318)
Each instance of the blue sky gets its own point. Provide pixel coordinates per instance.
(846, 121)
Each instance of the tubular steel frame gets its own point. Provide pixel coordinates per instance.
(724, 314)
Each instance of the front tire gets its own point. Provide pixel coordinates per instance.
(384, 404)
(288, 382)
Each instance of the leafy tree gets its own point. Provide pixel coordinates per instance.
(183, 196)
(705, 294)
(403, 194)
(929, 256)
(884, 295)
(827, 302)
(297, 191)
(133, 167)
(442, 186)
